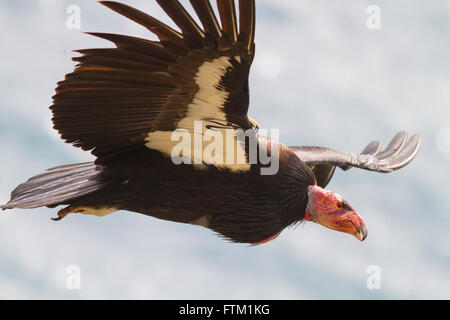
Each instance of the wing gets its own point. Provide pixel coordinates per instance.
(399, 153)
(137, 94)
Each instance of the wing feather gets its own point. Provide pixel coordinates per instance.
(184, 21)
(139, 45)
(118, 99)
(207, 17)
(163, 31)
(247, 18)
(399, 153)
(227, 11)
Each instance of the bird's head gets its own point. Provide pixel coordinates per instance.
(330, 210)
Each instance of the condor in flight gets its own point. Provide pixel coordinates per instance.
(130, 105)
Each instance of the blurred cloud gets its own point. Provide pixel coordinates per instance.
(323, 78)
(268, 65)
(443, 139)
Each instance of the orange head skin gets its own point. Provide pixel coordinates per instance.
(330, 210)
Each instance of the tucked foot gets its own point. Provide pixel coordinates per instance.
(99, 211)
(64, 213)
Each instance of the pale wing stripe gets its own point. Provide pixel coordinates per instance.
(207, 104)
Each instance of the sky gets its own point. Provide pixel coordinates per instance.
(323, 78)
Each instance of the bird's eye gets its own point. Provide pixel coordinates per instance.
(339, 204)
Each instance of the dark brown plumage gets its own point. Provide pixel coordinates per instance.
(125, 104)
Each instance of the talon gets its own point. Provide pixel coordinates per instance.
(62, 214)
(254, 123)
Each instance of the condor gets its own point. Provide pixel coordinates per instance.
(124, 104)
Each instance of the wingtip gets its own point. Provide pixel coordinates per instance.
(418, 137)
(401, 136)
(101, 35)
(112, 4)
(372, 149)
(409, 152)
(418, 142)
(105, 2)
(395, 146)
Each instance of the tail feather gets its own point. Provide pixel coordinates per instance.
(56, 186)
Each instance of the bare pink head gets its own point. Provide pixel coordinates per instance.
(330, 210)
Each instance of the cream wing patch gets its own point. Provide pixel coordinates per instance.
(210, 141)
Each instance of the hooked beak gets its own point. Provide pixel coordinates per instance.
(349, 222)
(361, 232)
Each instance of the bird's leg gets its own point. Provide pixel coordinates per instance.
(95, 211)
(64, 213)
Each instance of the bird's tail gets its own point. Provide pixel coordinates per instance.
(57, 186)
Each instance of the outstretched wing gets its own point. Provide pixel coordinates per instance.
(136, 95)
(399, 153)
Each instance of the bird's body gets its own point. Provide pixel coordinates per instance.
(168, 122)
(230, 203)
